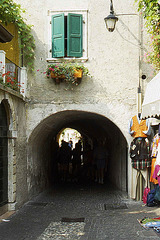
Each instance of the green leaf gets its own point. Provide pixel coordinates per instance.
(10, 12)
(151, 14)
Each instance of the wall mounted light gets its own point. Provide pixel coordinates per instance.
(111, 19)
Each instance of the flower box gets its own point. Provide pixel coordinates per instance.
(53, 75)
(78, 73)
(67, 72)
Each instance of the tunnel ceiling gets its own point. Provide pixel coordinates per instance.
(89, 124)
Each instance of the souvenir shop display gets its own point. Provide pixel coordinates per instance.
(155, 167)
(154, 152)
(139, 129)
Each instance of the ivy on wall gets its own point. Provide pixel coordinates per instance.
(151, 13)
(10, 12)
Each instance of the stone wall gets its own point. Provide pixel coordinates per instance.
(17, 169)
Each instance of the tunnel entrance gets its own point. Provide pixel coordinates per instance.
(72, 136)
(44, 140)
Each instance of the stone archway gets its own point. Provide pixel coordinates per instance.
(10, 137)
(89, 124)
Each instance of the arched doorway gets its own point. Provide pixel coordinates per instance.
(3, 156)
(91, 126)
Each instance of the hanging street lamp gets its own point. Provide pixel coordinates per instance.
(111, 19)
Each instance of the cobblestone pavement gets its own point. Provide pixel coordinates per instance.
(79, 212)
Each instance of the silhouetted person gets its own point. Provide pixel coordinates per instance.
(100, 159)
(70, 144)
(76, 161)
(88, 161)
(64, 159)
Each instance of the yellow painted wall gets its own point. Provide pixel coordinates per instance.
(12, 48)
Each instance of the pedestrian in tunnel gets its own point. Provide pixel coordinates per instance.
(76, 161)
(70, 143)
(100, 156)
(88, 161)
(64, 159)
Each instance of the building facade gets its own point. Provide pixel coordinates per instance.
(99, 107)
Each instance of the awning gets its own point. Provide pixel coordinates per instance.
(5, 36)
(151, 103)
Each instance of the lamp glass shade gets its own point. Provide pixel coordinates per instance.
(110, 22)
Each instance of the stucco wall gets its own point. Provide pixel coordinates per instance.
(113, 61)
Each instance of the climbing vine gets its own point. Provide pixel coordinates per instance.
(10, 12)
(151, 12)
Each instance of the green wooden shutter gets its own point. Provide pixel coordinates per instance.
(74, 35)
(58, 35)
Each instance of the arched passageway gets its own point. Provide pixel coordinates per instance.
(91, 126)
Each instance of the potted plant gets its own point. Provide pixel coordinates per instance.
(68, 72)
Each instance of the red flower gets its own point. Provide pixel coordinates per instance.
(8, 79)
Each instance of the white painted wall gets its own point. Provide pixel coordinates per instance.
(113, 61)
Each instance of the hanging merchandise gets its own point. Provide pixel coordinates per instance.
(146, 191)
(154, 146)
(139, 127)
(153, 180)
(154, 152)
(145, 194)
(156, 174)
(140, 153)
(155, 171)
(158, 154)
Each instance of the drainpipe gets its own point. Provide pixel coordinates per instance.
(2, 63)
(139, 89)
(23, 81)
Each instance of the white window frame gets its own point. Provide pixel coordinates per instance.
(85, 36)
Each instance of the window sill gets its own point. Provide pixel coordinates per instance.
(58, 60)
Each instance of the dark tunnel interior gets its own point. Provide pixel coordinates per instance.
(92, 127)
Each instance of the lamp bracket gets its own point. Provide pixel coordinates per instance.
(125, 14)
(111, 8)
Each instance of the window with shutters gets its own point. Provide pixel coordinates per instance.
(68, 35)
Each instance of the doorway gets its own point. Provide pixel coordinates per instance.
(3, 156)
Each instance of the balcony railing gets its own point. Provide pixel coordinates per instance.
(11, 75)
